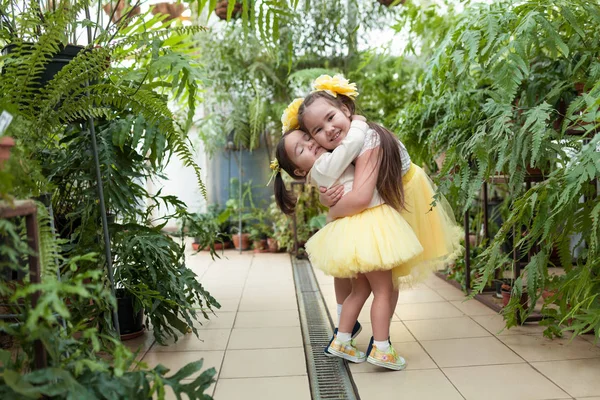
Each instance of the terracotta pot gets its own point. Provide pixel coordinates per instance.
(218, 246)
(260, 246)
(173, 10)
(273, 245)
(118, 12)
(221, 10)
(6, 143)
(506, 294)
(245, 243)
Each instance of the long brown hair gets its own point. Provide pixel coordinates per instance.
(389, 179)
(285, 199)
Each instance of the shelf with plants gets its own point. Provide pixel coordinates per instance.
(499, 94)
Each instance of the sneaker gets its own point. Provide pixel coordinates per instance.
(386, 359)
(346, 350)
(355, 331)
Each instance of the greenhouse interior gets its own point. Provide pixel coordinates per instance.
(300, 199)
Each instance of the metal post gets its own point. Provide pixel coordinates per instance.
(467, 254)
(107, 252)
(241, 201)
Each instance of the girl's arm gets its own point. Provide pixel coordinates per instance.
(330, 166)
(365, 181)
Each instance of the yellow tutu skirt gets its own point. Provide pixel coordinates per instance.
(376, 239)
(434, 226)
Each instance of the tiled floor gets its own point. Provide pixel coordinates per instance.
(455, 349)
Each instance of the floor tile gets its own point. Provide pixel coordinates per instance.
(177, 360)
(445, 328)
(435, 282)
(537, 348)
(265, 319)
(421, 384)
(140, 344)
(501, 382)
(222, 320)
(496, 325)
(451, 293)
(579, 378)
(269, 362)
(418, 296)
(413, 353)
(469, 352)
(209, 339)
(268, 303)
(473, 307)
(288, 387)
(228, 304)
(398, 334)
(265, 338)
(169, 395)
(444, 309)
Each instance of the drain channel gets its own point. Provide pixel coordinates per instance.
(329, 377)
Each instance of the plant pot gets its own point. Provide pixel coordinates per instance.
(131, 322)
(506, 294)
(388, 3)
(272, 245)
(172, 10)
(498, 286)
(245, 242)
(6, 144)
(64, 56)
(195, 246)
(218, 246)
(221, 10)
(118, 12)
(260, 246)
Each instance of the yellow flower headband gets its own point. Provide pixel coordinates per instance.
(275, 168)
(336, 85)
(289, 119)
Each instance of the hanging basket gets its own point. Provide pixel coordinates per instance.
(388, 3)
(118, 12)
(172, 10)
(221, 10)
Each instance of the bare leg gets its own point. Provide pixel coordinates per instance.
(354, 303)
(343, 287)
(381, 309)
(395, 295)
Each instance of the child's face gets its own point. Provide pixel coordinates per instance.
(302, 150)
(327, 124)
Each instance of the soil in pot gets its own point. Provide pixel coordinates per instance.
(130, 321)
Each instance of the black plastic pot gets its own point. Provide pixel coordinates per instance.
(58, 61)
(131, 322)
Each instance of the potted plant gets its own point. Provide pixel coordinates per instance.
(6, 143)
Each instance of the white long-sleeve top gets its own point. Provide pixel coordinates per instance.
(336, 167)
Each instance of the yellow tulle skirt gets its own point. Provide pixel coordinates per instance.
(376, 239)
(413, 243)
(434, 225)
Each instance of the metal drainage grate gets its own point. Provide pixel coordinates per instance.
(329, 377)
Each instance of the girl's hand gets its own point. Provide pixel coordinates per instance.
(358, 118)
(330, 197)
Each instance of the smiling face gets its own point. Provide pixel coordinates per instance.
(327, 124)
(302, 150)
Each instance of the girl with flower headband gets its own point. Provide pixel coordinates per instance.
(374, 244)
(300, 156)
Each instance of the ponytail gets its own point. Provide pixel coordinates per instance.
(389, 180)
(285, 199)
